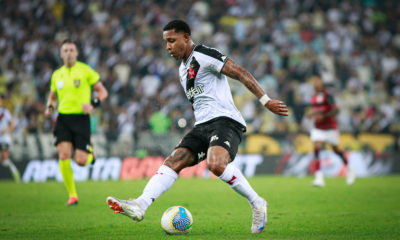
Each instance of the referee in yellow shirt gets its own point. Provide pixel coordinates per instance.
(72, 85)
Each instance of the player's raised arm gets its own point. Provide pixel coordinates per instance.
(234, 71)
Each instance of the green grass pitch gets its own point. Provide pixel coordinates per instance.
(369, 209)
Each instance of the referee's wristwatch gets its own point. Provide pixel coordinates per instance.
(50, 107)
(95, 102)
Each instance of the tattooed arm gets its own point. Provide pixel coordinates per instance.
(234, 71)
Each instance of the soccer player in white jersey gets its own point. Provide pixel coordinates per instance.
(6, 127)
(218, 128)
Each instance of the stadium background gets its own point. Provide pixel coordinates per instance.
(354, 45)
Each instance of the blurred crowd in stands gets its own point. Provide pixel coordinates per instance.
(353, 45)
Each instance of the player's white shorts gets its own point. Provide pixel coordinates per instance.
(330, 135)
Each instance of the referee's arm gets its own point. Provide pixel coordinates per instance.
(51, 103)
(101, 96)
(102, 92)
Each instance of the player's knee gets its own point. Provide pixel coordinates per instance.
(215, 166)
(179, 159)
(64, 155)
(217, 160)
(81, 161)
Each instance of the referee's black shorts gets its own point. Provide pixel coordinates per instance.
(74, 128)
(221, 131)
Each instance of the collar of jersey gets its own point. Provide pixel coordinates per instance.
(66, 68)
(187, 60)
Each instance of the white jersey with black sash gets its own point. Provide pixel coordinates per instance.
(206, 87)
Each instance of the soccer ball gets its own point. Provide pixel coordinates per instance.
(177, 220)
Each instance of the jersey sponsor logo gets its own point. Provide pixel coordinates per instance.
(60, 84)
(320, 98)
(201, 155)
(192, 91)
(77, 82)
(214, 138)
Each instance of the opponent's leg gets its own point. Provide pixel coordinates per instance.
(351, 176)
(341, 154)
(319, 176)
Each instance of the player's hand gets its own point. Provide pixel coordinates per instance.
(48, 112)
(87, 108)
(277, 107)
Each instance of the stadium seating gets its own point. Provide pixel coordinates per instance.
(354, 48)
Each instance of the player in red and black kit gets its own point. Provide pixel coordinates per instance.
(325, 129)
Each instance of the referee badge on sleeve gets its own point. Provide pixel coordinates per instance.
(60, 84)
(77, 83)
